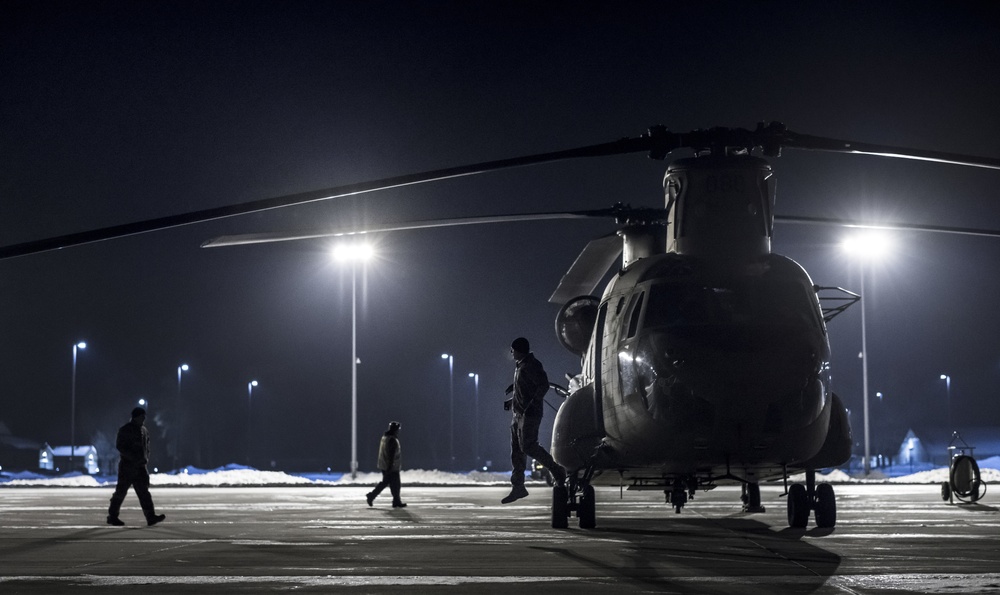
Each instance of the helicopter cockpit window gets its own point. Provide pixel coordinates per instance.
(752, 301)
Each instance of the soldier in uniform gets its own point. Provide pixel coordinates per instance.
(133, 445)
(389, 465)
(529, 388)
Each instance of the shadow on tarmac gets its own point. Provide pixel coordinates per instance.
(667, 554)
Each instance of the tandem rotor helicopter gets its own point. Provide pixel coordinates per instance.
(705, 360)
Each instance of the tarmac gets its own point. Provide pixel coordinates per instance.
(888, 539)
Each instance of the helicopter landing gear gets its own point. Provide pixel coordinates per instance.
(683, 489)
(575, 495)
(803, 499)
(751, 497)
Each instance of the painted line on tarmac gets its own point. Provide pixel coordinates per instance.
(928, 584)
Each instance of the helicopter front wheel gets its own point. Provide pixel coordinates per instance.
(798, 506)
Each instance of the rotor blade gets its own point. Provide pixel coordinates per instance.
(625, 145)
(280, 236)
(588, 269)
(818, 143)
(969, 231)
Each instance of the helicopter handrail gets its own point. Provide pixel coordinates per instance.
(830, 312)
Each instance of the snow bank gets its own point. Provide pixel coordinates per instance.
(238, 475)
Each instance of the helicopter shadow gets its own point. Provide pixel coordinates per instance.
(673, 553)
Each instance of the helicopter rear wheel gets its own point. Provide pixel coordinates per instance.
(560, 507)
(587, 512)
(751, 498)
(798, 506)
(826, 506)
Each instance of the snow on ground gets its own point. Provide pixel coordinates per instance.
(238, 475)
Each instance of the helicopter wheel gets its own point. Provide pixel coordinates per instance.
(826, 506)
(560, 507)
(798, 506)
(751, 498)
(945, 491)
(587, 512)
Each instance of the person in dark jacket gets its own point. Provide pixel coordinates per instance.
(529, 388)
(389, 463)
(133, 445)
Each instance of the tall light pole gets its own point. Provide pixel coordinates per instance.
(354, 253)
(475, 377)
(250, 386)
(180, 426)
(865, 247)
(72, 406)
(451, 407)
(947, 384)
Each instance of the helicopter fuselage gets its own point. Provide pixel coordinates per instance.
(702, 369)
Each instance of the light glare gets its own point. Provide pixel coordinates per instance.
(870, 245)
(353, 252)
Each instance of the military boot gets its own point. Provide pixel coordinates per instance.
(516, 493)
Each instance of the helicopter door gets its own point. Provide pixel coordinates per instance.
(598, 346)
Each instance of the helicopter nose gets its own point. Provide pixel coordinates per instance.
(733, 375)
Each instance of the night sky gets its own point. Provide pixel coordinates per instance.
(118, 112)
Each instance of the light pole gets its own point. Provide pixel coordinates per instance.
(865, 247)
(72, 406)
(475, 377)
(947, 384)
(250, 386)
(180, 426)
(354, 253)
(451, 406)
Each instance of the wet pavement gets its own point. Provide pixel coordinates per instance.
(888, 539)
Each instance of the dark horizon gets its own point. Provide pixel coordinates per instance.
(118, 112)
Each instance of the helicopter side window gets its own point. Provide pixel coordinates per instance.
(633, 323)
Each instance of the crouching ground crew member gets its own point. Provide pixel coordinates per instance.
(530, 385)
(133, 444)
(389, 464)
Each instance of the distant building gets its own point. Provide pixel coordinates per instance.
(933, 447)
(56, 458)
(912, 450)
(16, 453)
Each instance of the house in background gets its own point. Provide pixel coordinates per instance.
(930, 447)
(57, 459)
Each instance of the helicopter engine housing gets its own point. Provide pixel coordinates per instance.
(575, 323)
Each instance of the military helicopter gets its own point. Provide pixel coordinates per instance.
(705, 361)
